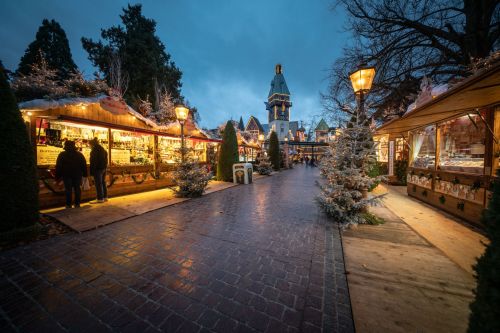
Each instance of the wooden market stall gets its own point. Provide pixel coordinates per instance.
(453, 145)
(141, 154)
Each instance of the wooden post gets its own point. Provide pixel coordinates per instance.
(438, 147)
(110, 144)
(489, 145)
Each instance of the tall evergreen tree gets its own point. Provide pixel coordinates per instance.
(228, 153)
(274, 151)
(485, 310)
(345, 168)
(241, 126)
(18, 176)
(142, 53)
(52, 44)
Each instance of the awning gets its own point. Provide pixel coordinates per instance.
(478, 91)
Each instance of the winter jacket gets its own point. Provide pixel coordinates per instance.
(71, 163)
(98, 159)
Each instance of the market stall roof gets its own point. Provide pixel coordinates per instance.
(88, 110)
(477, 91)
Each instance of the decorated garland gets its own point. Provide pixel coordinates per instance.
(144, 177)
(47, 185)
(112, 178)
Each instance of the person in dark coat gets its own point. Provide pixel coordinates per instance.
(71, 166)
(98, 166)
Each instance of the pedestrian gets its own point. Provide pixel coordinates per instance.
(98, 166)
(307, 161)
(71, 167)
(313, 162)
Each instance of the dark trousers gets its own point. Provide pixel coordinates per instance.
(100, 184)
(70, 184)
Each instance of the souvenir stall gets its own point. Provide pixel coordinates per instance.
(453, 145)
(141, 154)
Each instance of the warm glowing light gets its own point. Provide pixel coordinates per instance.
(362, 79)
(261, 137)
(30, 113)
(181, 113)
(286, 139)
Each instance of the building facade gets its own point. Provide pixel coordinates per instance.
(278, 105)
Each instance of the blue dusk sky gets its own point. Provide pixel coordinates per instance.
(226, 49)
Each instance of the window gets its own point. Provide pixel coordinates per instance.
(131, 148)
(382, 147)
(399, 149)
(51, 134)
(168, 149)
(423, 148)
(462, 144)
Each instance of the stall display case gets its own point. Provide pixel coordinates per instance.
(423, 148)
(131, 148)
(51, 135)
(462, 144)
(168, 150)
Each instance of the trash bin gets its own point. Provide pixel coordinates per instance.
(242, 173)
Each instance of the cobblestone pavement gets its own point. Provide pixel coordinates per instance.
(257, 258)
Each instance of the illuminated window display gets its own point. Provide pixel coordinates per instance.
(462, 144)
(51, 135)
(199, 150)
(399, 149)
(131, 148)
(168, 149)
(382, 147)
(423, 148)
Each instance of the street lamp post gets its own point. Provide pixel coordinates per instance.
(181, 112)
(361, 81)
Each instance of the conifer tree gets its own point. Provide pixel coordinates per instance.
(190, 176)
(274, 151)
(18, 177)
(142, 53)
(264, 166)
(51, 43)
(241, 126)
(485, 310)
(228, 153)
(344, 169)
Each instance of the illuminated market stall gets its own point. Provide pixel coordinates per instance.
(141, 154)
(453, 145)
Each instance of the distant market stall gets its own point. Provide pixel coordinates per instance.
(452, 143)
(141, 153)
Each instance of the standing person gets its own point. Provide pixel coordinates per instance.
(71, 166)
(98, 166)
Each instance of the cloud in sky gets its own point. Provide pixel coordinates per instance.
(226, 49)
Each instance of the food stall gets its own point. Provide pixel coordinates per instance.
(141, 154)
(453, 145)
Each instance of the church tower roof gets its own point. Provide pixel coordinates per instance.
(278, 84)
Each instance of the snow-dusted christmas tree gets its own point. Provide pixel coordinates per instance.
(264, 166)
(344, 169)
(190, 176)
(41, 82)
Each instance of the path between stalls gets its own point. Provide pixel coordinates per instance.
(257, 258)
(404, 281)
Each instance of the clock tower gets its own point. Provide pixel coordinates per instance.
(278, 105)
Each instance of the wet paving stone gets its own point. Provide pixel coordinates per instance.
(256, 258)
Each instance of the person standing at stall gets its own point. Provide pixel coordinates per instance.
(98, 166)
(71, 167)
